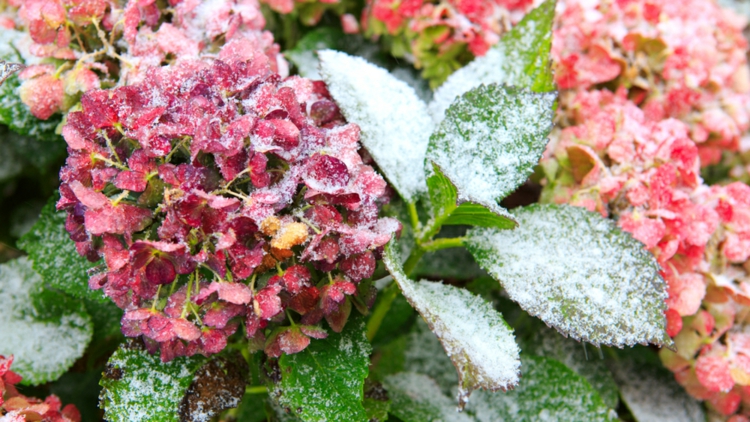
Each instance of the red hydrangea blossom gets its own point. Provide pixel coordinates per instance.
(220, 195)
(15, 407)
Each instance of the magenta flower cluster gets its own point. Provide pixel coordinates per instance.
(221, 195)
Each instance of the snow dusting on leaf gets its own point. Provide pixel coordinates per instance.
(652, 395)
(417, 398)
(475, 336)
(138, 386)
(490, 141)
(46, 335)
(55, 256)
(579, 273)
(394, 121)
(548, 391)
(521, 59)
(325, 381)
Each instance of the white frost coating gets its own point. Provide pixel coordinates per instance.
(43, 349)
(490, 141)
(418, 397)
(145, 389)
(474, 335)
(578, 273)
(503, 64)
(652, 395)
(394, 121)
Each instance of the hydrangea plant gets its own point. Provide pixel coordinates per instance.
(229, 242)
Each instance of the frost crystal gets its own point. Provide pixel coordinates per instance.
(578, 273)
(476, 338)
(394, 121)
(45, 346)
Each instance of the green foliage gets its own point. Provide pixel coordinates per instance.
(138, 386)
(520, 59)
(488, 144)
(417, 398)
(577, 272)
(55, 256)
(548, 391)
(46, 331)
(325, 381)
(475, 336)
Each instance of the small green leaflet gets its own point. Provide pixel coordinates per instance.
(138, 386)
(487, 145)
(394, 121)
(521, 59)
(548, 391)
(45, 331)
(55, 256)
(475, 336)
(417, 398)
(588, 364)
(325, 381)
(579, 273)
(445, 207)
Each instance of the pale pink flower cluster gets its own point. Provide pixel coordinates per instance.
(651, 91)
(683, 59)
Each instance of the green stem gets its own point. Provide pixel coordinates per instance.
(387, 297)
(258, 389)
(444, 243)
(413, 259)
(413, 216)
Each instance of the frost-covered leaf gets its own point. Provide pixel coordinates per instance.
(652, 395)
(445, 207)
(55, 257)
(587, 363)
(548, 391)
(218, 385)
(475, 336)
(489, 142)
(138, 386)
(325, 381)
(394, 121)
(521, 58)
(8, 68)
(14, 113)
(417, 398)
(578, 273)
(47, 332)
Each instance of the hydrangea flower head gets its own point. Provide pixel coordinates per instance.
(220, 194)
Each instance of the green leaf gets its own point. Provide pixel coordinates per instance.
(588, 364)
(487, 145)
(55, 256)
(548, 391)
(475, 336)
(394, 121)
(138, 386)
(578, 273)
(445, 206)
(45, 331)
(14, 113)
(376, 402)
(325, 381)
(651, 393)
(417, 398)
(521, 59)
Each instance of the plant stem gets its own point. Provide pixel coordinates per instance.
(444, 243)
(413, 216)
(387, 297)
(413, 259)
(258, 389)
